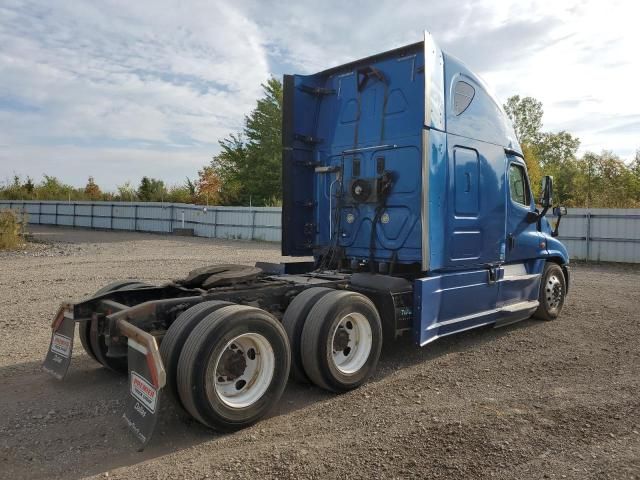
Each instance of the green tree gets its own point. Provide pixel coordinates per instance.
(634, 170)
(546, 153)
(607, 181)
(15, 190)
(249, 165)
(29, 186)
(191, 186)
(126, 192)
(554, 149)
(151, 190)
(526, 115)
(557, 154)
(51, 188)
(180, 194)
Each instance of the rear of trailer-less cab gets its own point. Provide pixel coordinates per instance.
(403, 178)
(458, 219)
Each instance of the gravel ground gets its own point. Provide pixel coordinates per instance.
(532, 400)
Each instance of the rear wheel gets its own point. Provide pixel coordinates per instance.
(94, 344)
(553, 289)
(293, 322)
(341, 341)
(177, 335)
(233, 367)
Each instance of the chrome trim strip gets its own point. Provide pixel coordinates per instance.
(464, 318)
(427, 78)
(433, 339)
(424, 207)
(433, 84)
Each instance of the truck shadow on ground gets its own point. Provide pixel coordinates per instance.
(74, 428)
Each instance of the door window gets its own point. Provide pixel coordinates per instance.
(518, 185)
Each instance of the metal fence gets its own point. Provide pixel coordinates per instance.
(602, 234)
(598, 234)
(238, 223)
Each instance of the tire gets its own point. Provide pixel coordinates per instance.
(84, 329)
(99, 347)
(293, 322)
(177, 335)
(553, 291)
(356, 316)
(209, 395)
(118, 285)
(95, 345)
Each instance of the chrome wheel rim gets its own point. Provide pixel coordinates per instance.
(351, 343)
(242, 372)
(553, 292)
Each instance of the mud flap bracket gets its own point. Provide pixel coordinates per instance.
(58, 357)
(147, 377)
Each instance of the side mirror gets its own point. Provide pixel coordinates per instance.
(546, 199)
(532, 217)
(560, 211)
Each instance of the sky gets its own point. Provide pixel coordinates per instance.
(122, 89)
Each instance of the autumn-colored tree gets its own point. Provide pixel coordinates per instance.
(533, 167)
(208, 186)
(92, 190)
(546, 153)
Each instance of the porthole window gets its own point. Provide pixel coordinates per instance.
(462, 96)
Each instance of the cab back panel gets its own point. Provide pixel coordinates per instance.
(364, 118)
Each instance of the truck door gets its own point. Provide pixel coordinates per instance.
(520, 274)
(523, 238)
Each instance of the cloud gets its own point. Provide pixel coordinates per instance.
(113, 88)
(126, 74)
(111, 166)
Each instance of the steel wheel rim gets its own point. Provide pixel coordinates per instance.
(553, 292)
(242, 372)
(351, 343)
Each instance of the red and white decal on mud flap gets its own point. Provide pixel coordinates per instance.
(61, 345)
(143, 391)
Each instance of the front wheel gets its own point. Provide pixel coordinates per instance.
(553, 289)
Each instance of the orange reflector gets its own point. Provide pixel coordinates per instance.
(57, 321)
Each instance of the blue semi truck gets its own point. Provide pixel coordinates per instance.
(404, 182)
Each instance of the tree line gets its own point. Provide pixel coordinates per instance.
(599, 180)
(248, 168)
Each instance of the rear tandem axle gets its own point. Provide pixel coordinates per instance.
(225, 352)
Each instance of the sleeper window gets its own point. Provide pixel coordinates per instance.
(518, 185)
(462, 96)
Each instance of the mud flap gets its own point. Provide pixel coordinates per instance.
(58, 356)
(146, 379)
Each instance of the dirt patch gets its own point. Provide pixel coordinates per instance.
(533, 400)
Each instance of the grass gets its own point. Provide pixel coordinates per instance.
(11, 229)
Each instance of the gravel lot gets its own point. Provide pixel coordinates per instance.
(532, 400)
